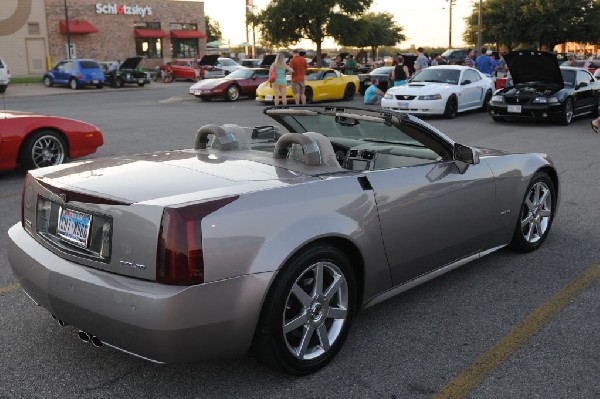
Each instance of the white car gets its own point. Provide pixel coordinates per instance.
(441, 90)
(4, 76)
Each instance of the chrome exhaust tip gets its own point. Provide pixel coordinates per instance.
(85, 337)
(96, 342)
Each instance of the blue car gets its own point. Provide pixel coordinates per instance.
(76, 74)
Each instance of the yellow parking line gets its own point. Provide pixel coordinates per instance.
(10, 288)
(485, 365)
(10, 195)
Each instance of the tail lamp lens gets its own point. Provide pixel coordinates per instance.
(179, 259)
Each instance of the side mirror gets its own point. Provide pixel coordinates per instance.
(466, 82)
(465, 156)
(582, 84)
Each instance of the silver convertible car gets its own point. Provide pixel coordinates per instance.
(265, 239)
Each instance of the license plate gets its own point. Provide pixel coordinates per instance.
(403, 104)
(197, 92)
(140, 81)
(96, 81)
(514, 109)
(269, 98)
(74, 226)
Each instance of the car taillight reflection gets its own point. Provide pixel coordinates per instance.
(179, 259)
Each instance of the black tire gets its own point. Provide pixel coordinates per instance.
(48, 82)
(119, 82)
(141, 84)
(294, 303)
(232, 93)
(309, 95)
(535, 215)
(43, 148)
(99, 85)
(451, 107)
(349, 92)
(485, 106)
(566, 116)
(73, 84)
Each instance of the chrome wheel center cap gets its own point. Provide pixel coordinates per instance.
(317, 311)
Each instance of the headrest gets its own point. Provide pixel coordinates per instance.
(226, 138)
(313, 148)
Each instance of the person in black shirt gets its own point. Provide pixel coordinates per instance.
(400, 72)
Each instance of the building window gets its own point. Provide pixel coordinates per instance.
(149, 47)
(33, 28)
(146, 25)
(184, 48)
(183, 26)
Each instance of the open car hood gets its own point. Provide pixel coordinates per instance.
(131, 63)
(534, 66)
(268, 60)
(209, 59)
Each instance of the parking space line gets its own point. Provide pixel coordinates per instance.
(10, 288)
(9, 195)
(485, 365)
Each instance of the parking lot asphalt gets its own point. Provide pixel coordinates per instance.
(38, 89)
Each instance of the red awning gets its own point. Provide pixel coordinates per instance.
(77, 27)
(149, 33)
(187, 34)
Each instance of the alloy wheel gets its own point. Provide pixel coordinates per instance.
(536, 212)
(47, 150)
(315, 311)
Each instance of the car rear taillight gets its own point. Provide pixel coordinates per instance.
(179, 258)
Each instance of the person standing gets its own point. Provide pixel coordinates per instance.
(298, 64)
(469, 59)
(113, 69)
(350, 65)
(280, 83)
(373, 94)
(421, 62)
(483, 63)
(400, 72)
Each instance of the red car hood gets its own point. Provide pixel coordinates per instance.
(212, 83)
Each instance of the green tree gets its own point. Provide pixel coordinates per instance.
(371, 30)
(540, 23)
(213, 29)
(284, 22)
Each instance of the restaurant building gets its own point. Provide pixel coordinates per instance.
(158, 30)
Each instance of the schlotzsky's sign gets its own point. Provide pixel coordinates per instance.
(115, 9)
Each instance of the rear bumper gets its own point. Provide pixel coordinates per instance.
(163, 323)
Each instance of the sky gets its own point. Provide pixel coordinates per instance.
(425, 23)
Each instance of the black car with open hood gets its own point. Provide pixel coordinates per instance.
(540, 89)
(129, 72)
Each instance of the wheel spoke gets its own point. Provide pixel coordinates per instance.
(337, 313)
(299, 321)
(306, 336)
(544, 197)
(545, 213)
(302, 296)
(332, 289)
(536, 197)
(526, 221)
(538, 227)
(318, 288)
(529, 232)
(530, 205)
(323, 337)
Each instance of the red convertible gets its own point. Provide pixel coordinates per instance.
(33, 141)
(242, 82)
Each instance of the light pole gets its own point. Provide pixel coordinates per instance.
(68, 31)
(450, 3)
(479, 18)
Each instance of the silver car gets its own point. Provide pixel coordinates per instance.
(268, 239)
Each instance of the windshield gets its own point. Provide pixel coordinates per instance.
(437, 75)
(568, 77)
(346, 128)
(314, 74)
(241, 74)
